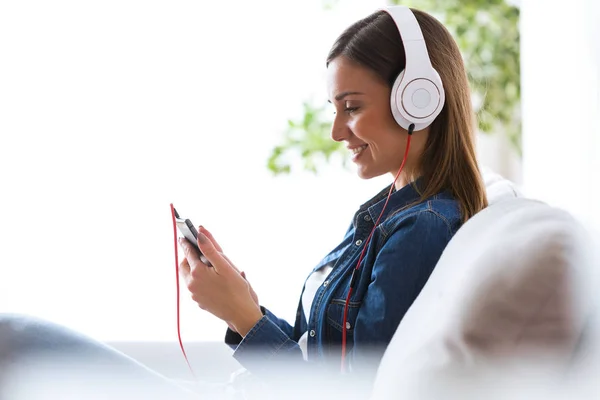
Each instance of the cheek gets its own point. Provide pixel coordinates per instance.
(364, 126)
(375, 130)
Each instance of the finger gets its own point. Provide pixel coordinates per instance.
(185, 271)
(217, 246)
(210, 237)
(191, 254)
(184, 267)
(218, 261)
(231, 263)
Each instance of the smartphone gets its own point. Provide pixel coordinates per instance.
(188, 230)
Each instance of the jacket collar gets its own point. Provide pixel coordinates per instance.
(399, 198)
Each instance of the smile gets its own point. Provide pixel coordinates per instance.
(358, 150)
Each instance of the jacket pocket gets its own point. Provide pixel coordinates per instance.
(335, 316)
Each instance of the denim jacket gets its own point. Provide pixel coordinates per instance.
(399, 259)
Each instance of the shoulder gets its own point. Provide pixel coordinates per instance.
(415, 237)
(438, 215)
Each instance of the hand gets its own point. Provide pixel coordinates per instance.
(242, 273)
(221, 289)
(220, 250)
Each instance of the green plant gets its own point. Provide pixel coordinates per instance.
(487, 33)
(309, 137)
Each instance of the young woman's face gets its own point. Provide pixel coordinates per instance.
(363, 119)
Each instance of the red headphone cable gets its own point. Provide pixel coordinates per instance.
(178, 294)
(355, 273)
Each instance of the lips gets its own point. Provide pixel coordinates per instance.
(357, 151)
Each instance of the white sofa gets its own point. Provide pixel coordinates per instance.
(504, 312)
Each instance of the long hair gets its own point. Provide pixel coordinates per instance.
(448, 161)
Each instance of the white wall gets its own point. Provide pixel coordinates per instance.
(561, 104)
(497, 153)
(111, 110)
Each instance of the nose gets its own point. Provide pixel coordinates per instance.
(339, 130)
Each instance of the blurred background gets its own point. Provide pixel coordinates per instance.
(111, 110)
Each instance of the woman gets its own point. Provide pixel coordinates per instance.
(438, 190)
(347, 315)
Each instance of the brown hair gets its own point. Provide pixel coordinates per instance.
(448, 161)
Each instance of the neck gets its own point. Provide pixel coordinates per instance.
(408, 172)
(401, 181)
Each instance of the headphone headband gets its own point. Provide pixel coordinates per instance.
(417, 94)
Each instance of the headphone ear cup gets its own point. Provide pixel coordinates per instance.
(418, 101)
(396, 103)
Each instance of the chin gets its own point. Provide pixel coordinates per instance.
(364, 173)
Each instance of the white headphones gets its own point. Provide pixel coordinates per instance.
(417, 94)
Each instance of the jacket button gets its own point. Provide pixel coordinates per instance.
(348, 326)
(367, 217)
(325, 283)
(358, 242)
(312, 333)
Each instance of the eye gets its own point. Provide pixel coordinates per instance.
(349, 107)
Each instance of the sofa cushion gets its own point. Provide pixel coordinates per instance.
(497, 187)
(514, 282)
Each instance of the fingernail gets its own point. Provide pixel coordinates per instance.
(202, 238)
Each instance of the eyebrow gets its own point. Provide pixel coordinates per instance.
(340, 96)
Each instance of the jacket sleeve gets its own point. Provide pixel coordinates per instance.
(401, 269)
(233, 339)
